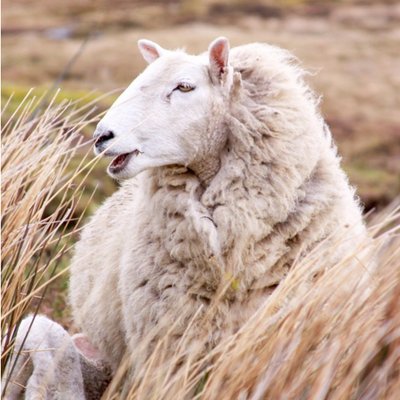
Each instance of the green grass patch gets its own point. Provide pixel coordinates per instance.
(13, 95)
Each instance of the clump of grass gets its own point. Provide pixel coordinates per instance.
(323, 334)
(40, 194)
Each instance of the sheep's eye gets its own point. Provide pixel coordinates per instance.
(184, 87)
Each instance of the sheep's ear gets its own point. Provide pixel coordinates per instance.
(150, 50)
(218, 53)
(85, 347)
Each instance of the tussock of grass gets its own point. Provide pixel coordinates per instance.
(38, 144)
(323, 334)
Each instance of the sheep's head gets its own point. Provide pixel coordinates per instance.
(170, 114)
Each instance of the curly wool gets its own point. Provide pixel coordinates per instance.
(168, 239)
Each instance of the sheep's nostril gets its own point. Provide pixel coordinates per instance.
(104, 137)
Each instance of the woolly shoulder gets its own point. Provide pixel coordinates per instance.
(263, 65)
(261, 53)
(110, 216)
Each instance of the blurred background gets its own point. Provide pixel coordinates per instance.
(88, 48)
(351, 47)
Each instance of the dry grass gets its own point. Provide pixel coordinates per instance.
(323, 334)
(39, 200)
(331, 334)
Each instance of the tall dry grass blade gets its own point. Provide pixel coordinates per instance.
(40, 194)
(323, 334)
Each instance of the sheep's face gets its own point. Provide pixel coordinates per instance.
(167, 115)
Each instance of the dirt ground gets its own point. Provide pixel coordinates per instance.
(352, 50)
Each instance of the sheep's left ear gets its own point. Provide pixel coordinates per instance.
(150, 50)
(218, 53)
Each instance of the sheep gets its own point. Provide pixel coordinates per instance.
(228, 174)
(227, 170)
(48, 366)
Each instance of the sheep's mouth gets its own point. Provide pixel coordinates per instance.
(121, 161)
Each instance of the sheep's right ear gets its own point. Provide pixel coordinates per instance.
(218, 53)
(150, 50)
(85, 347)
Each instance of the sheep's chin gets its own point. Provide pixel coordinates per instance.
(137, 162)
(120, 167)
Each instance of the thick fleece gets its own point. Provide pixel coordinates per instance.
(165, 243)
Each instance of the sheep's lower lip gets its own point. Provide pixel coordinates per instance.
(121, 161)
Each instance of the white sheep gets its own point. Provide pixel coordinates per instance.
(229, 175)
(229, 171)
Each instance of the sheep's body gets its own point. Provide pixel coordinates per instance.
(161, 246)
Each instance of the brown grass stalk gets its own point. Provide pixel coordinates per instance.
(323, 334)
(40, 194)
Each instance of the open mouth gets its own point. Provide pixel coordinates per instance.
(121, 161)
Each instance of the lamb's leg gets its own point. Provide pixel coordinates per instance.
(18, 381)
(51, 366)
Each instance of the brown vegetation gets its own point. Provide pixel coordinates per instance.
(322, 335)
(40, 195)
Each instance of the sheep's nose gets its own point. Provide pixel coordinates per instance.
(102, 137)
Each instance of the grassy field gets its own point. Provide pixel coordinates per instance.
(88, 48)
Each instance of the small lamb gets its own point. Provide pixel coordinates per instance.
(52, 365)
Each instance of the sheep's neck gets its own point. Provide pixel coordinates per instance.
(205, 169)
